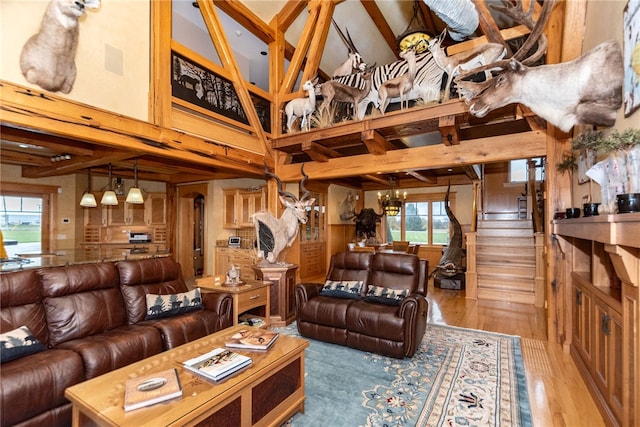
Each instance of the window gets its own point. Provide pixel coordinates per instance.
(423, 220)
(519, 170)
(20, 221)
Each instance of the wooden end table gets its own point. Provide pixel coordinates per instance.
(267, 393)
(253, 297)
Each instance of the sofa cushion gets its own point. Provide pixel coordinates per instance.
(21, 302)
(33, 385)
(116, 348)
(81, 300)
(178, 330)
(159, 306)
(342, 289)
(159, 276)
(385, 295)
(18, 343)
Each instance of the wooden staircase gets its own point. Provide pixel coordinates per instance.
(505, 255)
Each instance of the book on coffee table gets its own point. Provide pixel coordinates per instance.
(151, 389)
(217, 364)
(252, 339)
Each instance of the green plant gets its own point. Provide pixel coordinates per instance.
(589, 140)
(569, 163)
(621, 140)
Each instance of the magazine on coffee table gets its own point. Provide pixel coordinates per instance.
(252, 339)
(217, 364)
(151, 389)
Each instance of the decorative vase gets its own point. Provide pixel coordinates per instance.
(590, 209)
(628, 202)
(573, 212)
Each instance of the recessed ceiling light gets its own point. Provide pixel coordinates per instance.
(449, 170)
(24, 146)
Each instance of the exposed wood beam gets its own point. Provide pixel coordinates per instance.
(21, 158)
(449, 130)
(472, 171)
(75, 165)
(319, 40)
(318, 152)
(488, 25)
(376, 143)
(249, 20)
(376, 178)
(289, 12)
(381, 23)
(48, 141)
(477, 151)
(34, 110)
(431, 179)
(507, 34)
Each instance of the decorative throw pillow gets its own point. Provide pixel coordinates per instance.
(385, 295)
(159, 306)
(345, 289)
(18, 343)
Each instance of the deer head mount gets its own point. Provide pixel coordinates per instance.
(554, 92)
(275, 234)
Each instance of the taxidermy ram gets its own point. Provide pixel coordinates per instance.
(48, 57)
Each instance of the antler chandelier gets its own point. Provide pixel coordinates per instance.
(392, 201)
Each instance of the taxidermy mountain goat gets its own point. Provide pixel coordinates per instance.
(48, 57)
(275, 234)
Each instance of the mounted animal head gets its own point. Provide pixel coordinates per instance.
(274, 234)
(354, 62)
(552, 91)
(366, 221)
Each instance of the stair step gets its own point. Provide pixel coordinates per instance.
(505, 254)
(505, 241)
(505, 224)
(516, 271)
(504, 232)
(506, 282)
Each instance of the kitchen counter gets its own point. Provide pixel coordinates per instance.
(67, 257)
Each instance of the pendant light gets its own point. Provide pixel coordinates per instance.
(135, 194)
(109, 197)
(88, 199)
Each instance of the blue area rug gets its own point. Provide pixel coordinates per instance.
(458, 377)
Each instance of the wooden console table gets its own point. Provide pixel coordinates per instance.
(283, 300)
(253, 297)
(268, 392)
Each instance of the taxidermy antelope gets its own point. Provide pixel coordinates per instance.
(275, 234)
(354, 62)
(400, 85)
(587, 90)
(302, 107)
(336, 91)
(464, 61)
(48, 57)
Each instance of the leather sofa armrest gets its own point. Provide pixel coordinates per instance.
(221, 304)
(308, 290)
(414, 309)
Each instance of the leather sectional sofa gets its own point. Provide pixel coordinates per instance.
(90, 319)
(372, 302)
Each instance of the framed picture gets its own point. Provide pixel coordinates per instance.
(631, 57)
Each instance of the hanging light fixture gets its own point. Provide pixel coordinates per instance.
(415, 35)
(135, 194)
(88, 199)
(109, 197)
(392, 201)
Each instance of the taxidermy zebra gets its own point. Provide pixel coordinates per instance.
(426, 85)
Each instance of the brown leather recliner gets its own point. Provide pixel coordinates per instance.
(363, 322)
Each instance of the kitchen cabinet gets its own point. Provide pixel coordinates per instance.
(239, 204)
(155, 208)
(152, 212)
(602, 263)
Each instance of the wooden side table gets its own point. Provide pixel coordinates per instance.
(251, 298)
(283, 278)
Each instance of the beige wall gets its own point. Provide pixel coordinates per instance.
(112, 57)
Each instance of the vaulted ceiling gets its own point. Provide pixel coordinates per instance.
(373, 26)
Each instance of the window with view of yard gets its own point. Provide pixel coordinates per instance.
(422, 220)
(21, 221)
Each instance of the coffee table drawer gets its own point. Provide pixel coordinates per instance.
(251, 299)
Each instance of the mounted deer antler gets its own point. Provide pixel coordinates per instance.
(587, 90)
(275, 234)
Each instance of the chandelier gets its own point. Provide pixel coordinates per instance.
(391, 202)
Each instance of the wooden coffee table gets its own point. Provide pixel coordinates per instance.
(269, 392)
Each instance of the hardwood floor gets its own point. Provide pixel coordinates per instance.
(557, 393)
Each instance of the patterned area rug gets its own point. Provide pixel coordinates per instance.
(458, 377)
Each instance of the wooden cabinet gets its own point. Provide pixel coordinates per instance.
(152, 212)
(283, 300)
(155, 209)
(238, 205)
(241, 258)
(603, 264)
(312, 260)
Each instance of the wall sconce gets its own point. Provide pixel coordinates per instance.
(109, 197)
(392, 202)
(135, 194)
(88, 199)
